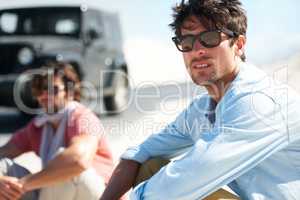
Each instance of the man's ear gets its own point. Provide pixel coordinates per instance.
(240, 44)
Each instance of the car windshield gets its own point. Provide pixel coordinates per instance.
(40, 21)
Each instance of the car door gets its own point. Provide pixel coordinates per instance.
(96, 50)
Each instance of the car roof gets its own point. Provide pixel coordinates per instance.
(26, 4)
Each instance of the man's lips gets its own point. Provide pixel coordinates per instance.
(200, 65)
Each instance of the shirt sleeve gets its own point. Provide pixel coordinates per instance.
(86, 123)
(168, 143)
(21, 138)
(248, 129)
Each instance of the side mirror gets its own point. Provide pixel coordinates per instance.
(90, 36)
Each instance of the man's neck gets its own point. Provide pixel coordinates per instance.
(55, 125)
(218, 89)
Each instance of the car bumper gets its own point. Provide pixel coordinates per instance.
(6, 90)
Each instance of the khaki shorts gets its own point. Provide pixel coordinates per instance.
(149, 168)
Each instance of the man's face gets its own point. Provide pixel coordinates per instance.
(53, 97)
(208, 66)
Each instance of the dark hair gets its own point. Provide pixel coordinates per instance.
(65, 71)
(212, 14)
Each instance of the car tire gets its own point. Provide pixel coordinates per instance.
(22, 95)
(27, 98)
(117, 102)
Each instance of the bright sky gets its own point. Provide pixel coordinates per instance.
(273, 34)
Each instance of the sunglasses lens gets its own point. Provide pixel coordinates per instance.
(210, 39)
(56, 89)
(52, 90)
(186, 43)
(37, 91)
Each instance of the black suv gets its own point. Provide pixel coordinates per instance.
(89, 39)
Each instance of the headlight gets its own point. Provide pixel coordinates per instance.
(25, 56)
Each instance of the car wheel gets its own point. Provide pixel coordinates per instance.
(27, 97)
(22, 96)
(117, 102)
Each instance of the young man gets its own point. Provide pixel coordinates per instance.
(68, 137)
(244, 133)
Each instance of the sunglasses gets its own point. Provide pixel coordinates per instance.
(54, 90)
(208, 39)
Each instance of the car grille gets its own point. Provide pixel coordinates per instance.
(8, 58)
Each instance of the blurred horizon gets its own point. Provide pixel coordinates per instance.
(273, 36)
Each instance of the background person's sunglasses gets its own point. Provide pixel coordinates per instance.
(208, 39)
(55, 89)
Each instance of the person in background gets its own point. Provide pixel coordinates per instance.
(67, 136)
(244, 132)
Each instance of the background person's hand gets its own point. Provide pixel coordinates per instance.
(10, 188)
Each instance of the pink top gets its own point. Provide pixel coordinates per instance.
(81, 121)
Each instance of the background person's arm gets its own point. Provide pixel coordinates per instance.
(10, 150)
(122, 180)
(71, 162)
(18, 144)
(10, 188)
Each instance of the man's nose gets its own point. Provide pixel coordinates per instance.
(43, 94)
(199, 48)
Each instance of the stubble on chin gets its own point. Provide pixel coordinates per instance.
(204, 79)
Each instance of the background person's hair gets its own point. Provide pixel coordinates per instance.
(51, 70)
(213, 14)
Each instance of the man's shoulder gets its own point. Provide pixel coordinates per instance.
(30, 128)
(253, 81)
(250, 78)
(81, 111)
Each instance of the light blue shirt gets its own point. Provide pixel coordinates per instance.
(253, 145)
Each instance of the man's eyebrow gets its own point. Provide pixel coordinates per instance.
(191, 25)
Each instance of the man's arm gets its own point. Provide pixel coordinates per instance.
(242, 140)
(122, 180)
(10, 188)
(71, 162)
(169, 142)
(9, 150)
(172, 141)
